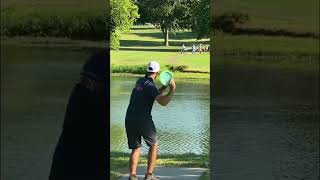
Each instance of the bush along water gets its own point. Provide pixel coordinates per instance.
(230, 22)
(141, 69)
(134, 69)
(177, 68)
(71, 26)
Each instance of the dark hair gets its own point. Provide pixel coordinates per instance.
(97, 67)
(150, 73)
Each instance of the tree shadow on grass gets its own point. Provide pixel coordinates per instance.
(139, 43)
(175, 36)
(150, 50)
(134, 43)
(142, 28)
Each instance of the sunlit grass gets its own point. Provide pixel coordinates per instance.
(242, 44)
(119, 162)
(143, 44)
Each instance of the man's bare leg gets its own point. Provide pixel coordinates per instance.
(134, 158)
(152, 158)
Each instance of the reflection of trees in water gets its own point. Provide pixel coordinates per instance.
(205, 143)
(303, 139)
(305, 119)
(180, 142)
(169, 142)
(118, 138)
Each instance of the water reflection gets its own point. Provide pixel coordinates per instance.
(265, 123)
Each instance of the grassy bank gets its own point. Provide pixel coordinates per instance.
(119, 162)
(224, 44)
(283, 53)
(27, 41)
(205, 176)
(143, 44)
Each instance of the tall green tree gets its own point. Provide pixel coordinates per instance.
(200, 18)
(167, 15)
(123, 14)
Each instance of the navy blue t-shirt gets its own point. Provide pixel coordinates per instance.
(142, 99)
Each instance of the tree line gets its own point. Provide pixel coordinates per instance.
(170, 16)
(166, 15)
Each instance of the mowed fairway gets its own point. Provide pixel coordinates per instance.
(292, 15)
(143, 44)
(274, 45)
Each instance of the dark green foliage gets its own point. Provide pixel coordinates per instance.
(179, 68)
(123, 14)
(134, 69)
(230, 22)
(141, 69)
(200, 18)
(166, 15)
(227, 22)
(71, 26)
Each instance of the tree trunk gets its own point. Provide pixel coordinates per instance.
(165, 33)
(166, 39)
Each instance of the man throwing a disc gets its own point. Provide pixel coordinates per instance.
(139, 121)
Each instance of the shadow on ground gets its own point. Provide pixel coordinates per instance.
(177, 36)
(139, 43)
(150, 50)
(171, 173)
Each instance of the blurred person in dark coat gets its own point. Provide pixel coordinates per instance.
(82, 151)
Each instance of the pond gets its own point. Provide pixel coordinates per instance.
(182, 125)
(265, 122)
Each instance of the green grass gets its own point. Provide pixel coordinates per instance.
(281, 64)
(265, 46)
(205, 176)
(292, 15)
(283, 53)
(27, 41)
(119, 162)
(143, 44)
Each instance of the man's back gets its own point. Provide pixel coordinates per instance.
(142, 99)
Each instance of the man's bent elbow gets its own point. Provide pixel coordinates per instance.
(162, 100)
(163, 103)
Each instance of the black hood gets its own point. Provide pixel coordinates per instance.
(97, 66)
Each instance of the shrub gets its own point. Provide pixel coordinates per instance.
(179, 68)
(141, 69)
(227, 22)
(134, 69)
(72, 26)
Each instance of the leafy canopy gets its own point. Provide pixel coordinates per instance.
(123, 14)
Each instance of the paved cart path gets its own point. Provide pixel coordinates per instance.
(171, 173)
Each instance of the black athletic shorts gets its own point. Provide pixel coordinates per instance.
(136, 129)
